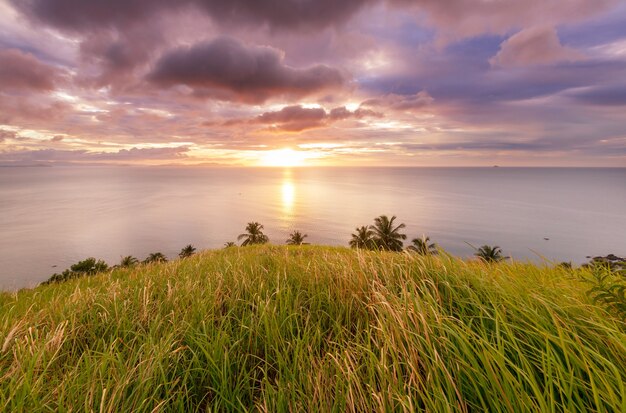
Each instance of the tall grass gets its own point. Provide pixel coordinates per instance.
(312, 328)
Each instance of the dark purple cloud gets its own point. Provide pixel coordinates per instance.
(83, 16)
(294, 118)
(117, 55)
(463, 16)
(287, 14)
(118, 38)
(297, 118)
(229, 70)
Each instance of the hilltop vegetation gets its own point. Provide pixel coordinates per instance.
(309, 328)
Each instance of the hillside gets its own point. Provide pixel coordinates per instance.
(312, 328)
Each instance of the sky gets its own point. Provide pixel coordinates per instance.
(313, 82)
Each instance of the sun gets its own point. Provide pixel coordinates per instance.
(283, 157)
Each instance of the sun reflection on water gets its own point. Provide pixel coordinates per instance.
(288, 192)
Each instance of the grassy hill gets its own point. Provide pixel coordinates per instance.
(312, 328)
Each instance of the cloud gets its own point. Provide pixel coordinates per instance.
(403, 103)
(284, 14)
(6, 134)
(229, 70)
(461, 74)
(342, 113)
(534, 46)
(30, 110)
(25, 86)
(491, 145)
(117, 37)
(80, 15)
(56, 138)
(297, 118)
(602, 146)
(294, 118)
(144, 73)
(463, 17)
(85, 156)
(614, 95)
(116, 55)
(20, 70)
(142, 154)
(467, 18)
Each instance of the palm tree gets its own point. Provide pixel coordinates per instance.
(128, 261)
(489, 254)
(229, 244)
(188, 251)
(364, 238)
(297, 238)
(386, 237)
(566, 265)
(422, 246)
(253, 235)
(89, 266)
(155, 257)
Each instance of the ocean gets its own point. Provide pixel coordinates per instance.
(52, 217)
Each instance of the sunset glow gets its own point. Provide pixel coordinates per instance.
(305, 83)
(284, 158)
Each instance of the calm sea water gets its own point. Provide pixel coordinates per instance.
(53, 217)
